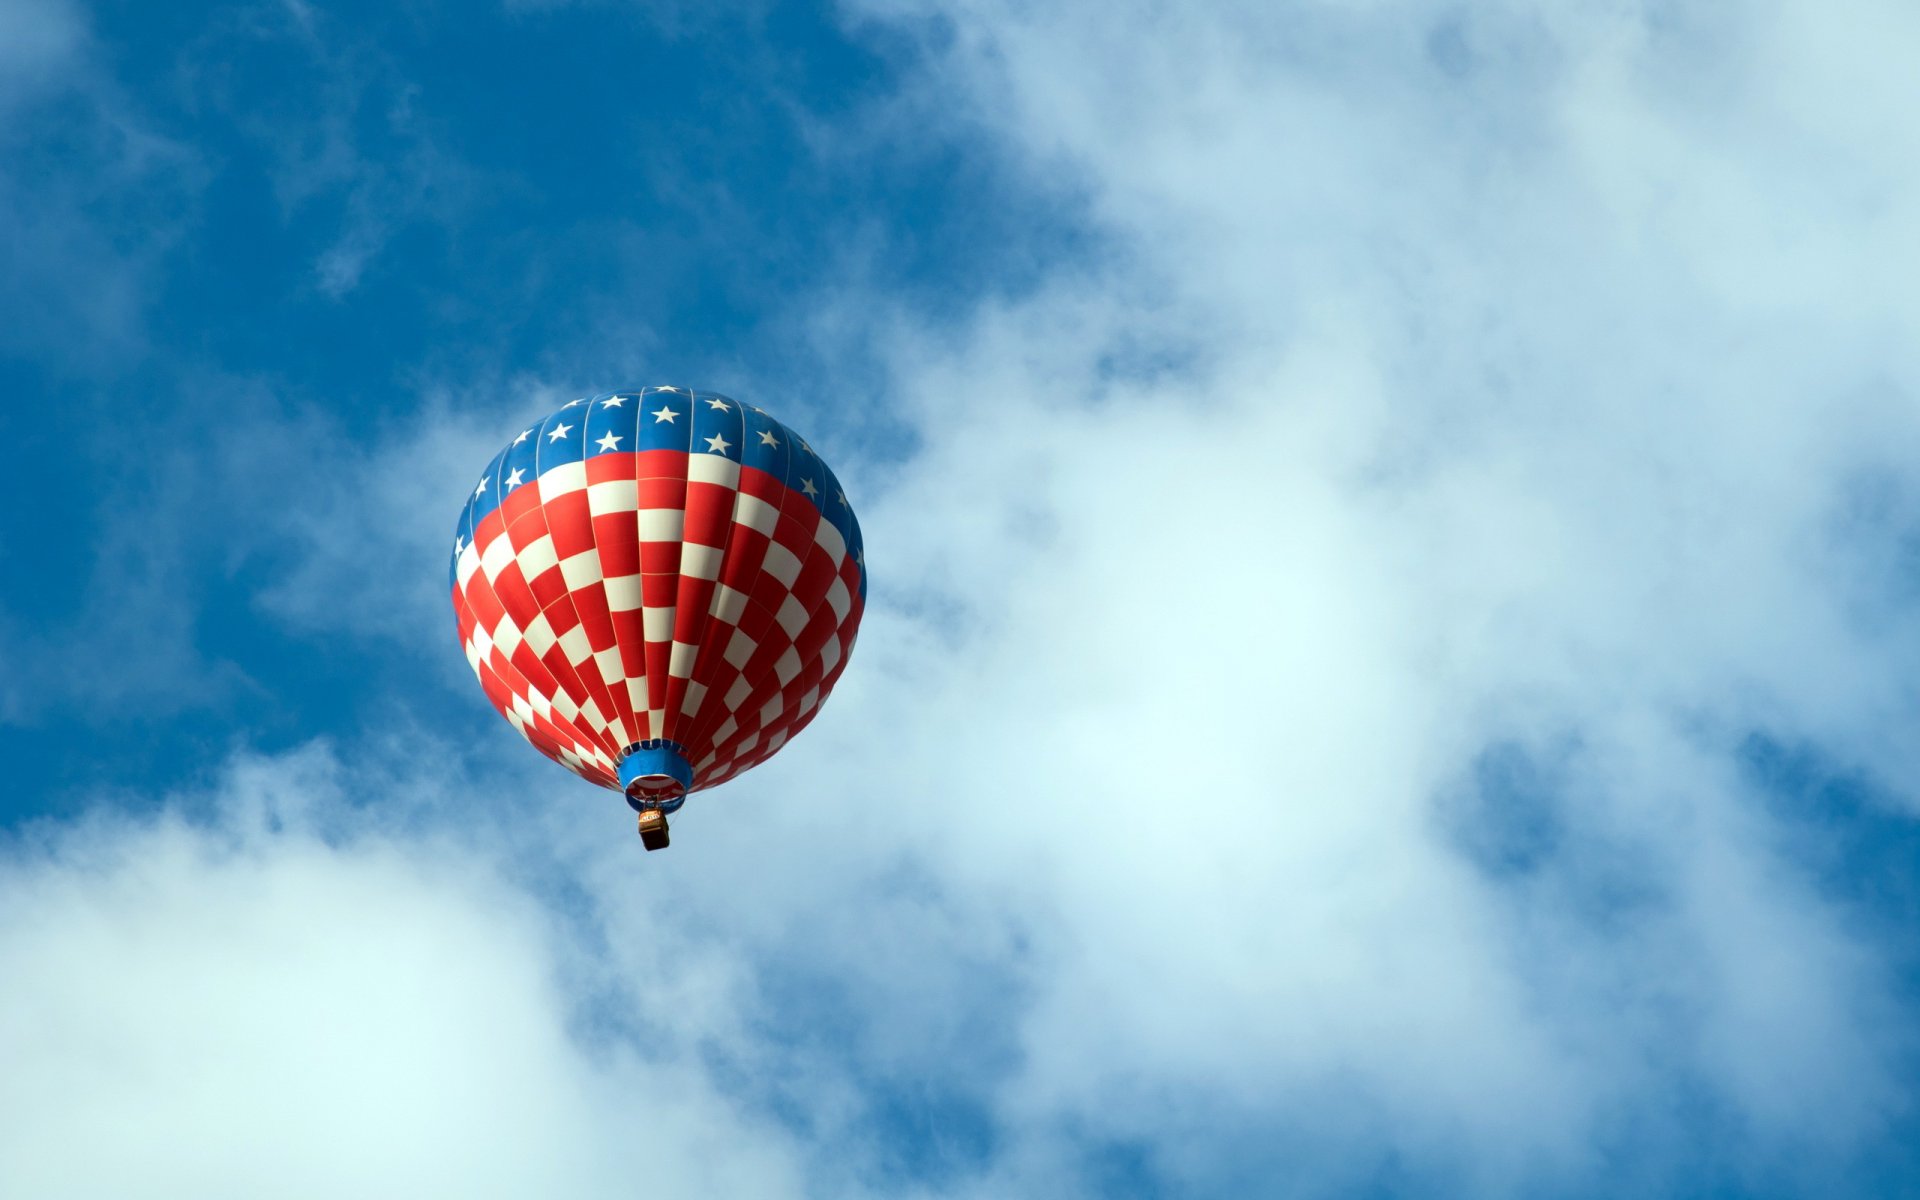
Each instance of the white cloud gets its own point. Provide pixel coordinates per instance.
(1536, 372)
(238, 1004)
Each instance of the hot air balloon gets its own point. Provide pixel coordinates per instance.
(658, 588)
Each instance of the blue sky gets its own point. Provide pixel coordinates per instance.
(1389, 668)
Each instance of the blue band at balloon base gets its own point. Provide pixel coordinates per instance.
(654, 767)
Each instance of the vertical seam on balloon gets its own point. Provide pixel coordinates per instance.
(647, 678)
(757, 698)
(768, 672)
(505, 670)
(611, 711)
(492, 479)
(628, 734)
(575, 730)
(640, 731)
(603, 737)
(709, 722)
(686, 470)
(707, 652)
(698, 616)
(546, 682)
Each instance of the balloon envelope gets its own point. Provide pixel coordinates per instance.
(658, 588)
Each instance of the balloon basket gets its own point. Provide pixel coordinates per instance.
(653, 829)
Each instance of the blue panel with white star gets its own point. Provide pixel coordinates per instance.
(610, 424)
(665, 419)
(661, 419)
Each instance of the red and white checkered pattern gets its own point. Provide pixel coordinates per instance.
(657, 594)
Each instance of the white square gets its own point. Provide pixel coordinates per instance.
(496, 556)
(581, 570)
(781, 564)
(701, 562)
(690, 702)
(608, 661)
(538, 558)
(740, 647)
(713, 468)
(558, 481)
(680, 661)
(662, 524)
(840, 598)
(737, 694)
(574, 644)
(623, 593)
(539, 635)
(829, 537)
(728, 604)
(792, 616)
(787, 667)
(506, 637)
(755, 512)
(656, 623)
(613, 496)
(469, 563)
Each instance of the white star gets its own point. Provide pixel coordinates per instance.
(608, 442)
(480, 489)
(664, 414)
(842, 496)
(860, 556)
(767, 438)
(459, 544)
(613, 402)
(718, 443)
(720, 404)
(522, 437)
(672, 389)
(581, 400)
(804, 446)
(806, 485)
(513, 479)
(559, 431)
